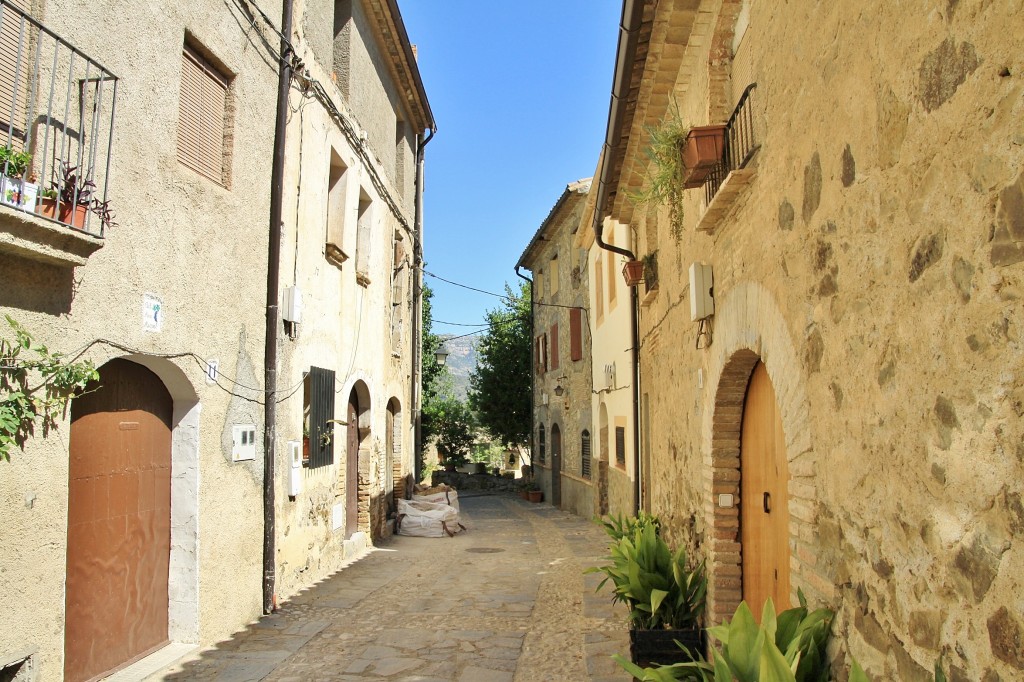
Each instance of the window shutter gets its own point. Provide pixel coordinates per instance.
(575, 334)
(536, 355)
(202, 111)
(554, 346)
(544, 352)
(321, 411)
(541, 444)
(620, 445)
(14, 76)
(585, 453)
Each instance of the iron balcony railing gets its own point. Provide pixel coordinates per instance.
(56, 125)
(740, 144)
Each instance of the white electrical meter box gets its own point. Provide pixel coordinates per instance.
(291, 306)
(243, 442)
(702, 303)
(294, 468)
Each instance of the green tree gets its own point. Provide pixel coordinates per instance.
(432, 371)
(500, 390)
(453, 427)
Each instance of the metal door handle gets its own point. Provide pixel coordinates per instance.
(767, 501)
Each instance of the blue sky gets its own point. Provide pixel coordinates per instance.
(520, 93)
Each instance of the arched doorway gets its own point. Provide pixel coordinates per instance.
(764, 497)
(119, 520)
(556, 466)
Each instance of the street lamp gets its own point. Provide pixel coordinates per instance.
(441, 355)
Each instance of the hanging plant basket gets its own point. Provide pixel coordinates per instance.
(633, 272)
(702, 151)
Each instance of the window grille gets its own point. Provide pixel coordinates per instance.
(620, 446)
(585, 453)
(321, 412)
(202, 143)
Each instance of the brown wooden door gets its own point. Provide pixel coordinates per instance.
(556, 466)
(352, 466)
(764, 497)
(119, 520)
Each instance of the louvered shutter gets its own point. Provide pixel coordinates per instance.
(554, 346)
(201, 117)
(575, 334)
(14, 75)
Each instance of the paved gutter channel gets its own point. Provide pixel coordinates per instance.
(506, 601)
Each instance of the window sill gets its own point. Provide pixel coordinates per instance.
(30, 236)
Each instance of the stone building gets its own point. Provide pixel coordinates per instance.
(847, 419)
(563, 461)
(350, 251)
(137, 521)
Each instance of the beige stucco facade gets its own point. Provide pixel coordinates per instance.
(870, 256)
(566, 466)
(198, 248)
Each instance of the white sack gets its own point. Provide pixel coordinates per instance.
(427, 519)
(449, 497)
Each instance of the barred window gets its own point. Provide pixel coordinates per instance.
(620, 446)
(585, 453)
(318, 430)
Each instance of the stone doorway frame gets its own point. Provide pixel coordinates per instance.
(749, 326)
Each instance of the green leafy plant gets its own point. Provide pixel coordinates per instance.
(657, 585)
(14, 164)
(664, 182)
(22, 402)
(618, 526)
(789, 647)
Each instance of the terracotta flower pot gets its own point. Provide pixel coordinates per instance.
(73, 216)
(536, 495)
(702, 151)
(633, 272)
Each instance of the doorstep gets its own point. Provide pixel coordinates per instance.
(154, 663)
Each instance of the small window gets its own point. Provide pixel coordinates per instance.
(336, 189)
(576, 334)
(203, 140)
(620, 446)
(319, 428)
(554, 346)
(553, 276)
(541, 444)
(585, 453)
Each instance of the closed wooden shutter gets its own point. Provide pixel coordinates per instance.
(620, 446)
(554, 346)
(14, 33)
(575, 334)
(202, 111)
(541, 444)
(585, 453)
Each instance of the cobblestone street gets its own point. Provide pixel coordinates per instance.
(505, 601)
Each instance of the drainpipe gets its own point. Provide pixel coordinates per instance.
(629, 33)
(273, 283)
(533, 366)
(416, 396)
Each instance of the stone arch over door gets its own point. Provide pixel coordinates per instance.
(356, 472)
(750, 327)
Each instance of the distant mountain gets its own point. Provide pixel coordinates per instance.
(461, 362)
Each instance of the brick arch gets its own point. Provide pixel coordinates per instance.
(750, 327)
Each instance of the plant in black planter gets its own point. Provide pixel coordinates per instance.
(665, 596)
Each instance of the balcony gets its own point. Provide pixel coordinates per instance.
(56, 134)
(737, 167)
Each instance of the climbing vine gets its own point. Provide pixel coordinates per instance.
(36, 385)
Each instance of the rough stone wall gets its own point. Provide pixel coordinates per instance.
(874, 265)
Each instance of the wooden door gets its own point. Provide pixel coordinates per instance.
(119, 521)
(556, 466)
(352, 466)
(764, 497)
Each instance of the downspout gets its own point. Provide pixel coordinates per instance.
(533, 367)
(273, 283)
(629, 30)
(417, 309)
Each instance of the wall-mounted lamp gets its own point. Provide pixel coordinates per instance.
(441, 355)
(559, 391)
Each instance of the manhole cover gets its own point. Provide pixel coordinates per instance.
(484, 550)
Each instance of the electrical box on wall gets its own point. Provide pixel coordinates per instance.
(291, 306)
(294, 468)
(243, 442)
(702, 303)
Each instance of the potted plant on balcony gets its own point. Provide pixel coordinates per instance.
(12, 185)
(633, 272)
(665, 596)
(701, 151)
(70, 194)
